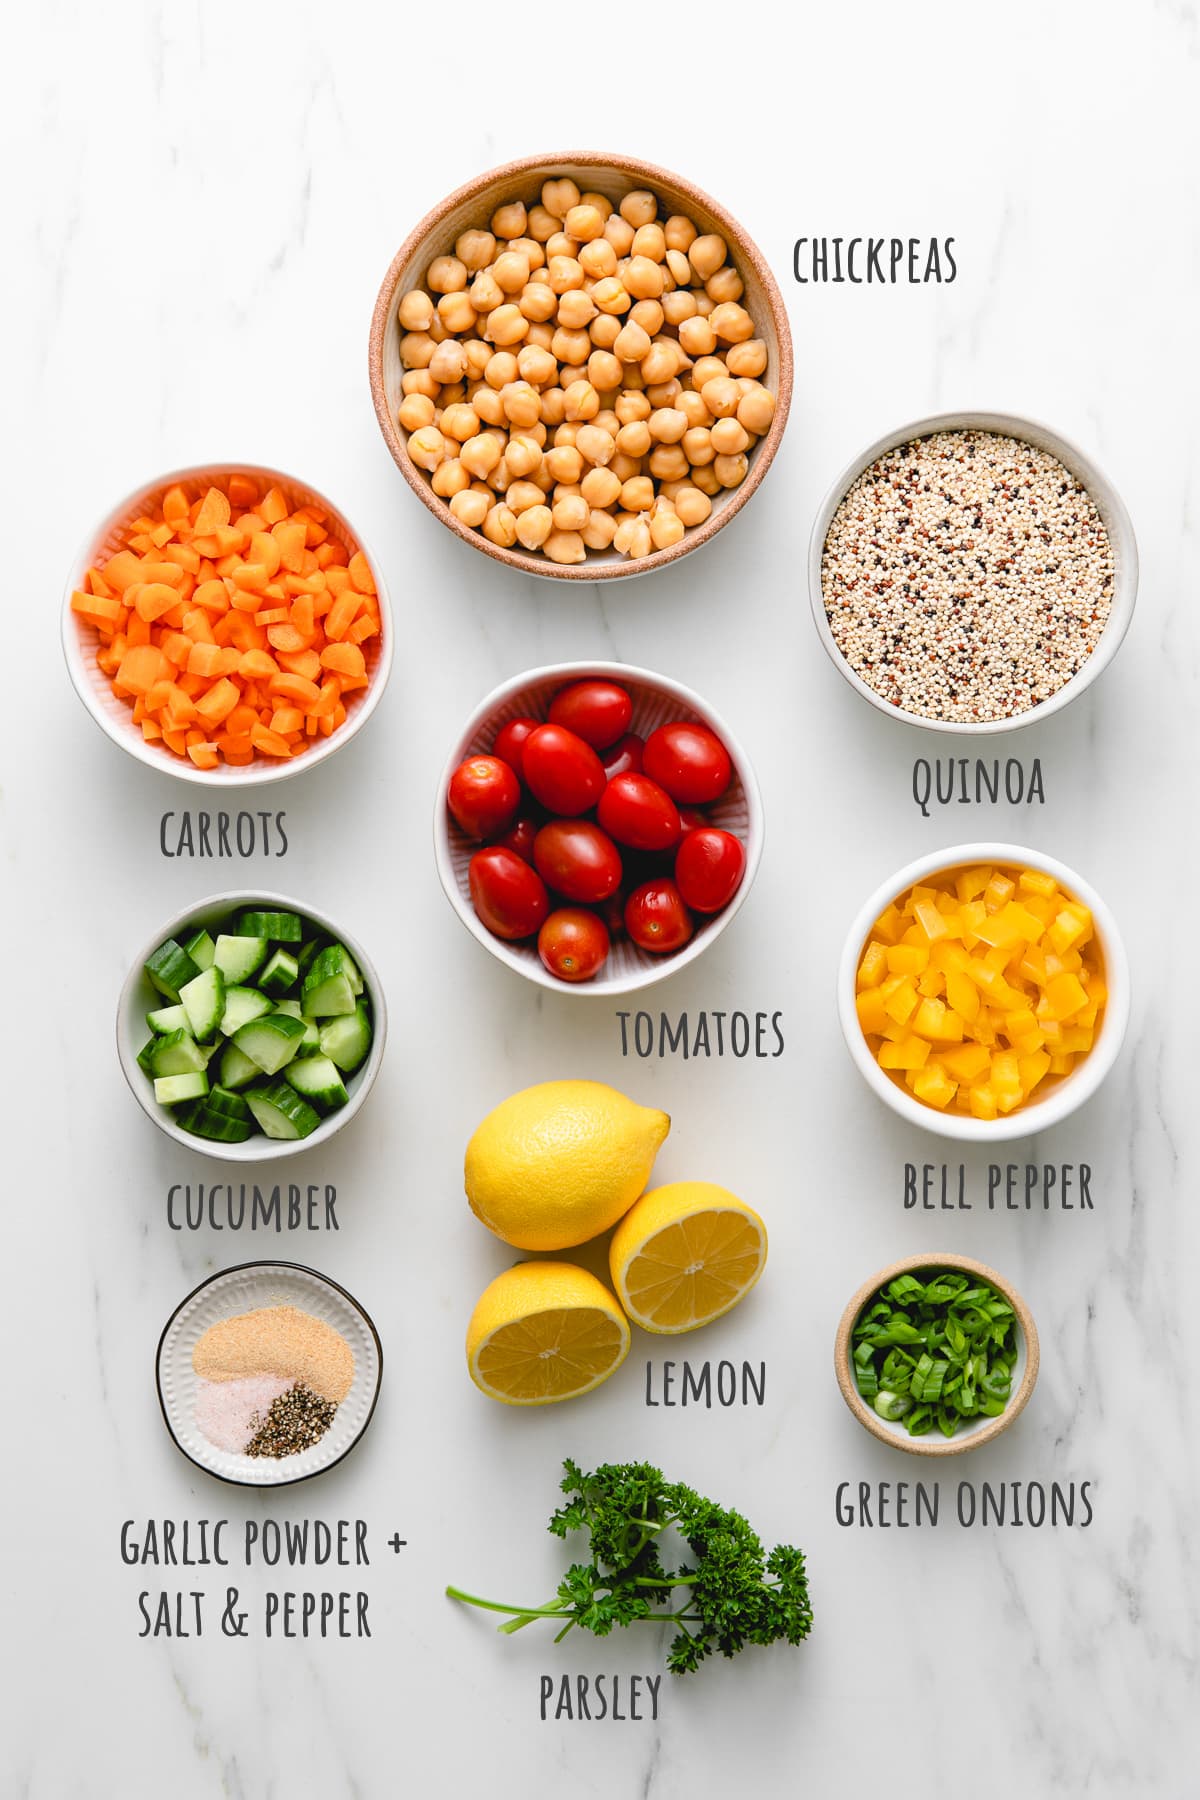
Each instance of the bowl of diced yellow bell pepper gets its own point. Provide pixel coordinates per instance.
(984, 991)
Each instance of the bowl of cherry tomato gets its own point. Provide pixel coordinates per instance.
(597, 826)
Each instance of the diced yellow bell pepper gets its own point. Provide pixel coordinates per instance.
(934, 1021)
(1077, 1040)
(1065, 994)
(888, 926)
(970, 883)
(1036, 881)
(929, 919)
(901, 1003)
(906, 959)
(999, 889)
(966, 1062)
(946, 954)
(1061, 1065)
(962, 995)
(933, 1087)
(913, 1053)
(983, 1102)
(873, 967)
(871, 1016)
(1033, 1069)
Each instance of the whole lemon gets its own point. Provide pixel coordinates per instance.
(559, 1163)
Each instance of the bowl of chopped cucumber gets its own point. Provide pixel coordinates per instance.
(250, 1027)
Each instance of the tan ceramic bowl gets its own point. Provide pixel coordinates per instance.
(612, 176)
(976, 1431)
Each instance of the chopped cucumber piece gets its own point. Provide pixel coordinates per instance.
(238, 957)
(177, 1053)
(169, 1090)
(167, 1018)
(222, 1100)
(241, 1005)
(346, 1041)
(201, 949)
(307, 951)
(282, 1112)
(270, 1041)
(203, 1000)
(280, 927)
(236, 1069)
(332, 984)
(310, 1043)
(171, 968)
(199, 1117)
(145, 1057)
(280, 974)
(317, 1078)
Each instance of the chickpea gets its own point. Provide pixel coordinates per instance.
(506, 325)
(448, 362)
(502, 367)
(541, 224)
(552, 406)
(731, 322)
(446, 275)
(607, 420)
(573, 347)
(584, 223)
(427, 447)
(707, 368)
(625, 467)
(729, 438)
(632, 343)
(510, 272)
(595, 445)
(610, 295)
(564, 273)
(692, 506)
(649, 315)
(668, 463)
(437, 329)
(705, 480)
(600, 487)
(481, 454)
(601, 202)
(634, 439)
(416, 349)
(521, 495)
(600, 531)
(604, 370)
(604, 330)
(416, 310)
(660, 361)
(637, 494)
(679, 306)
(639, 207)
(558, 197)
(415, 410)
(569, 373)
(509, 221)
(664, 393)
(706, 254)
(704, 305)
(522, 404)
(679, 232)
(420, 381)
(538, 302)
(632, 537)
(721, 395)
(749, 358)
(534, 525)
(580, 400)
(500, 526)
(475, 249)
(667, 425)
(540, 333)
(565, 547)
(697, 446)
(449, 478)
(459, 422)
(500, 478)
(469, 507)
(631, 406)
(725, 286)
(559, 245)
(451, 393)
(485, 293)
(697, 336)
(650, 240)
(643, 278)
(576, 309)
(619, 233)
(488, 404)
(730, 471)
(537, 366)
(571, 513)
(666, 528)
(680, 267)
(565, 434)
(528, 247)
(563, 463)
(690, 404)
(523, 455)
(478, 355)
(598, 259)
(756, 410)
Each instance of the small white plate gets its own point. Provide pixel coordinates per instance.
(241, 1290)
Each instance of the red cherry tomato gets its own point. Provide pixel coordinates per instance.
(693, 819)
(573, 944)
(510, 742)
(561, 771)
(637, 812)
(484, 796)
(656, 917)
(690, 761)
(625, 756)
(597, 711)
(577, 860)
(709, 866)
(509, 897)
(519, 837)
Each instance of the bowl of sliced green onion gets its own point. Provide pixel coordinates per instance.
(250, 1027)
(936, 1354)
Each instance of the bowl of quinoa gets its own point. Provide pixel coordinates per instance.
(972, 572)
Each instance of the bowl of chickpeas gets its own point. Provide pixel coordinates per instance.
(582, 365)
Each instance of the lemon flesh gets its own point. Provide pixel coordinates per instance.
(543, 1332)
(685, 1254)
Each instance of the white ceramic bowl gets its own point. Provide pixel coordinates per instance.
(244, 1289)
(1066, 1095)
(1108, 504)
(973, 1432)
(656, 701)
(115, 717)
(139, 996)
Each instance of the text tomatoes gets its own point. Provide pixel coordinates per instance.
(561, 771)
(509, 897)
(597, 711)
(709, 865)
(484, 796)
(577, 860)
(624, 757)
(656, 917)
(573, 944)
(510, 742)
(690, 761)
(636, 811)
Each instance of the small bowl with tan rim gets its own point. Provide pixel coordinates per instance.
(971, 1433)
(471, 207)
(1104, 498)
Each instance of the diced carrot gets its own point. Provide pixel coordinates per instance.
(218, 702)
(269, 742)
(158, 696)
(203, 755)
(183, 556)
(151, 730)
(289, 535)
(257, 665)
(240, 720)
(96, 608)
(176, 647)
(212, 596)
(337, 579)
(360, 573)
(214, 512)
(176, 741)
(175, 507)
(141, 666)
(287, 718)
(302, 615)
(197, 626)
(140, 708)
(286, 637)
(152, 599)
(209, 660)
(122, 569)
(342, 613)
(243, 491)
(343, 659)
(271, 615)
(300, 662)
(137, 630)
(169, 572)
(265, 550)
(361, 630)
(273, 507)
(295, 687)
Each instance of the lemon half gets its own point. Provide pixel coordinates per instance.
(544, 1331)
(685, 1254)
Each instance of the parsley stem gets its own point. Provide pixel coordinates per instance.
(524, 1613)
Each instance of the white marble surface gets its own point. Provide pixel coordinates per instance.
(203, 202)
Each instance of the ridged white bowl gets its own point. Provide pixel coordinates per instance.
(115, 717)
(139, 996)
(657, 700)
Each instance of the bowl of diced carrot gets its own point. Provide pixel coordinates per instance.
(226, 624)
(984, 992)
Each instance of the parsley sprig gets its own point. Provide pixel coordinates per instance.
(731, 1594)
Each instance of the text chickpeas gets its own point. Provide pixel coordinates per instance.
(582, 377)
